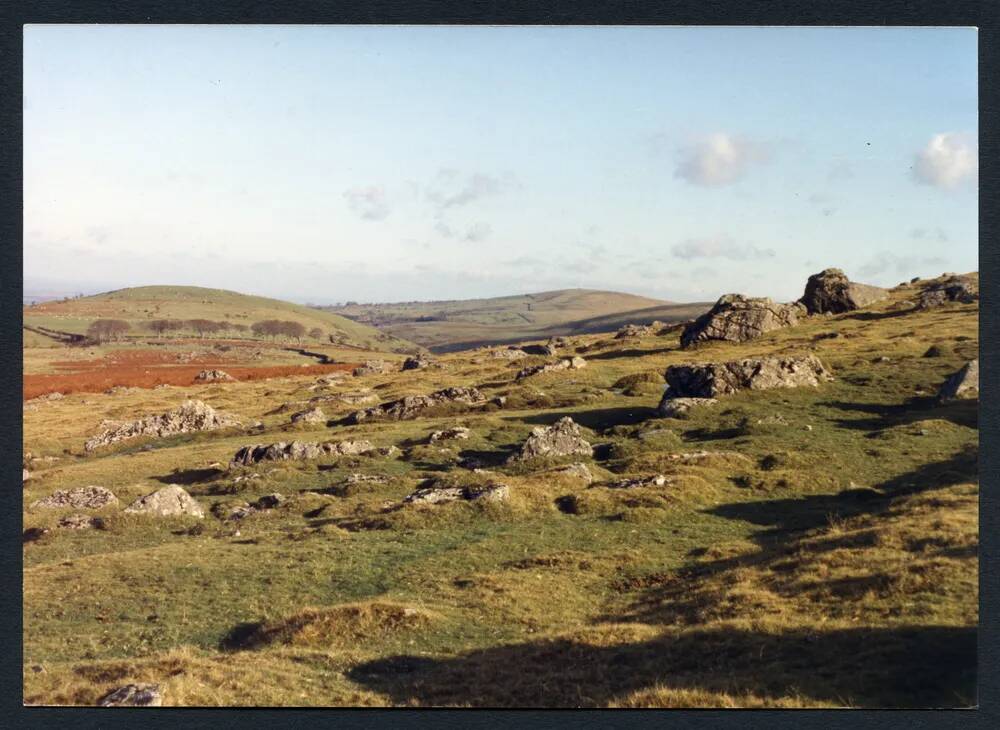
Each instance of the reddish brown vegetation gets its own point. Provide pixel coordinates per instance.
(147, 368)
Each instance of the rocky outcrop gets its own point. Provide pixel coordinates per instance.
(450, 434)
(313, 415)
(573, 363)
(133, 695)
(298, 450)
(78, 498)
(961, 385)
(736, 318)
(679, 407)
(710, 380)
(830, 291)
(633, 330)
(211, 376)
(171, 501)
(949, 288)
(412, 406)
(493, 492)
(192, 415)
(563, 438)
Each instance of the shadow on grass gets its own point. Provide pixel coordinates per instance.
(876, 316)
(598, 419)
(632, 352)
(911, 666)
(881, 415)
(190, 476)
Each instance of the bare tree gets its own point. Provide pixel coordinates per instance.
(316, 333)
(105, 330)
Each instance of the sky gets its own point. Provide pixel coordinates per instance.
(325, 164)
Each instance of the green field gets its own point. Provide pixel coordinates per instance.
(823, 552)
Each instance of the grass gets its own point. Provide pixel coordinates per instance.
(781, 566)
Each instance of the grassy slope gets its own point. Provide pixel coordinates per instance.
(828, 566)
(142, 304)
(464, 324)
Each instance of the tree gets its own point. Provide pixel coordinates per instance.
(159, 326)
(105, 330)
(316, 333)
(204, 326)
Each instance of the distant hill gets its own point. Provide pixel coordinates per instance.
(444, 326)
(140, 305)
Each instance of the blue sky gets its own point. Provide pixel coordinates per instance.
(399, 163)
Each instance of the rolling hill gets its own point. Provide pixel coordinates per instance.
(447, 326)
(140, 305)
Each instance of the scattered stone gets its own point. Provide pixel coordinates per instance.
(493, 492)
(961, 385)
(413, 405)
(709, 380)
(192, 415)
(657, 480)
(949, 288)
(563, 438)
(450, 434)
(737, 318)
(371, 367)
(133, 695)
(831, 291)
(633, 330)
(170, 501)
(365, 479)
(80, 522)
(314, 415)
(78, 498)
(211, 376)
(574, 363)
(679, 407)
(298, 450)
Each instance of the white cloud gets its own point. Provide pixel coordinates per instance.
(947, 160)
(718, 247)
(718, 159)
(452, 190)
(368, 202)
(929, 234)
(477, 232)
(885, 262)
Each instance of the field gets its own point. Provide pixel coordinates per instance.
(813, 547)
(456, 325)
(140, 305)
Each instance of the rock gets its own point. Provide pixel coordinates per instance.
(578, 470)
(510, 353)
(657, 480)
(736, 318)
(270, 501)
(574, 363)
(314, 415)
(563, 438)
(831, 291)
(192, 415)
(949, 288)
(493, 492)
(209, 376)
(366, 479)
(413, 405)
(170, 501)
(329, 379)
(934, 351)
(679, 407)
(418, 362)
(459, 432)
(371, 367)
(357, 397)
(488, 493)
(547, 349)
(119, 390)
(32, 534)
(713, 379)
(233, 512)
(961, 385)
(633, 330)
(133, 695)
(81, 522)
(25, 475)
(78, 498)
(298, 450)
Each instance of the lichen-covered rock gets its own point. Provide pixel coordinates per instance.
(299, 450)
(710, 380)
(133, 695)
(563, 438)
(949, 288)
(961, 385)
(679, 407)
(78, 498)
(831, 291)
(211, 376)
(191, 415)
(737, 318)
(413, 405)
(493, 492)
(312, 415)
(170, 501)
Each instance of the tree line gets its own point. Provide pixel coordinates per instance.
(107, 330)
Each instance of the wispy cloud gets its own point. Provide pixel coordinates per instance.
(369, 203)
(947, 160)
(719, 247)
(451, 189)
(929, 234)
(477, 232)
(719, 159)
(886, 262)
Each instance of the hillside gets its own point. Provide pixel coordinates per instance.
(808, 546)
(141, 305)
(447, 326)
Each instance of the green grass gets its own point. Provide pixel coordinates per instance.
(834, 565)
